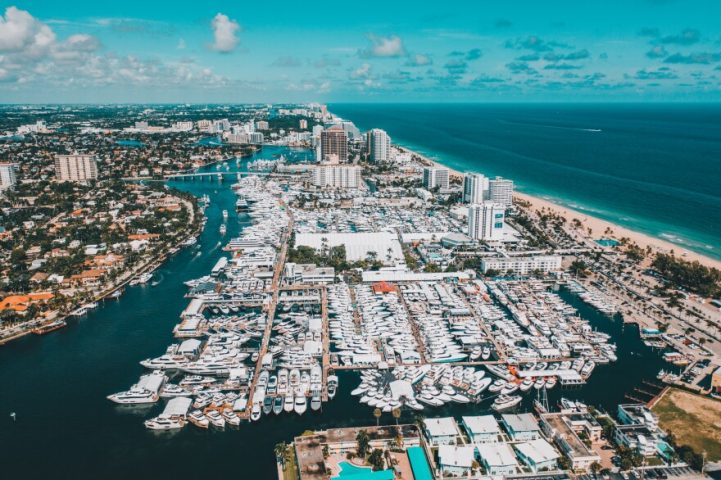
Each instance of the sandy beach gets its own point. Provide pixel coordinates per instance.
(598, 226)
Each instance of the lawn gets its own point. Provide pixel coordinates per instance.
(693, 419)
(290, 472)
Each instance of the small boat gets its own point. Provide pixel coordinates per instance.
(332, 385)
(223, 229)
(288, 403)
(225, 214)
(315, 402)
(301, 404)
(267, 405)
(255, 412)
(278, 405)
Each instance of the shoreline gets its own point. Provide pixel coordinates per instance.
(150, 266)
(598, 225)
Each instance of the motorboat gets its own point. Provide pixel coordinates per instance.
(215, 418)
(301, 404)
(197, 418)
(315, 402)
(164, 422)
(255, 412)
(231, 417)
(505, 402)
(277, 405)
(288, 403)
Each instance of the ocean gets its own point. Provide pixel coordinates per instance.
(655, 169)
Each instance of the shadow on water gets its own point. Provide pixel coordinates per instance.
(66, 428)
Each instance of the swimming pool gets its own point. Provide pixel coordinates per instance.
(354, 472)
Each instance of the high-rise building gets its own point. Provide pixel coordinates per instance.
(261, 125)
(7, 176)
(501, 191)
(337, 176)
(475, 188)
(303, 124)
(76, 167)
(378, 144)
(334, 141)
(486, 220)
(435, 177)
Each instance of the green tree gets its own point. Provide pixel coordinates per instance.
(363, 443)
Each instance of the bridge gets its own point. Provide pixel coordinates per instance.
(220, 176)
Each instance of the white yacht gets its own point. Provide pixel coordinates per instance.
(225, 214)
(504, 402)
(332, 385)
(301, 404)
(215, 418)
(197, 418)
(315, 402)
(134, 396)
(164, 422)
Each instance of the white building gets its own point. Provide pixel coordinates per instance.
(497, 458)
(486, 221)
(501, 191)
(76, 167)
(456, 461)
(441, 430)
(384, 246)
(522, 426)
(337, 176)
(7, 176)
(308, 273)
(523, 265)
(475, 188)
(434, 177)
(482, 428)
(538, 454)
(379, 145)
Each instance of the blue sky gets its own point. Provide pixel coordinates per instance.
(190, 51)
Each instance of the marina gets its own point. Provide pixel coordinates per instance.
(147, 327)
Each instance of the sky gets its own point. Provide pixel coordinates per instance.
(370, 51)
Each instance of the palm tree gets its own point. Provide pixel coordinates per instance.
(377, 413)
(280, 450)
(396, 414)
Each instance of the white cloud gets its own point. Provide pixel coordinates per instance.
(419, 60)
(361, 72)
(225, 33)
(181, 44)
(21, 32)
(391, 46)
(31, 53)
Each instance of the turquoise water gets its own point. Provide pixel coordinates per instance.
(653, 168)
(607, 242)
(130, 143)
(209, 142)
(419, 464)
(348, 470)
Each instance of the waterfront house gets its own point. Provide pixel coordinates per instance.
(522, 427)
(87, 278)
(441, 431)
(497, 458)
(455, 460)
(538, 454)
(482, 428)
